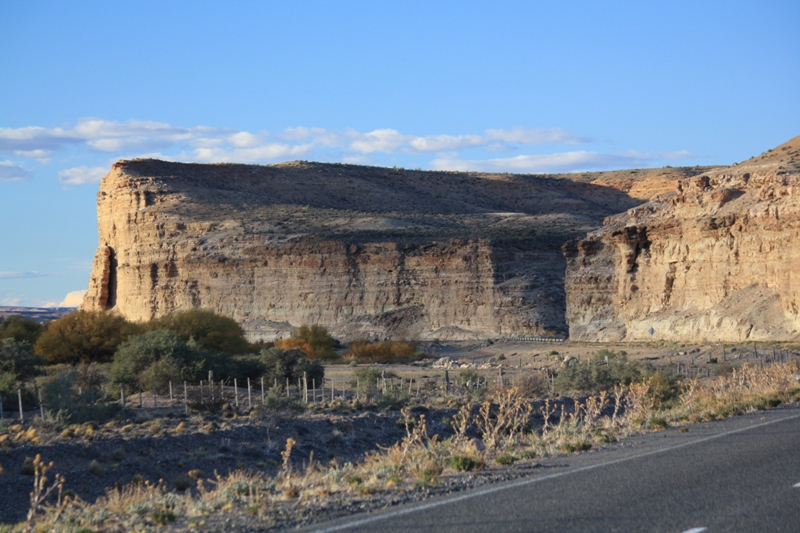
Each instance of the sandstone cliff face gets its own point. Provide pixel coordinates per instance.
(719, 259)
(380, 253)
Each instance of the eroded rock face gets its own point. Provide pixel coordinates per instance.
(364, 251)
(719, 259)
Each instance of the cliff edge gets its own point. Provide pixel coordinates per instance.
(718, 259)
(365, 251)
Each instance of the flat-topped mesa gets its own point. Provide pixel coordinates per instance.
(718, 259)
(364, 251)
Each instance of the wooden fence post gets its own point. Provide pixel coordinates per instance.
(21, 413)
(185, 399)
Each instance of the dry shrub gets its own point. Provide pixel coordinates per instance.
(507, 420)
(746, 388)
(383, 352)
(532, 384)
(303, 346)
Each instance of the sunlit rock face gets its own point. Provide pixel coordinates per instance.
(718, 259)
(365, 251)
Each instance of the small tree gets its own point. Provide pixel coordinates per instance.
(83, 337)
(18, 364)
(155, 358)
(20, 329)
(283, 364)
(314, 340)
(212, 332)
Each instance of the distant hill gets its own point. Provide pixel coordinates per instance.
(40, 314)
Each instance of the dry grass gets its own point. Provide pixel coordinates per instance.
(503, 421)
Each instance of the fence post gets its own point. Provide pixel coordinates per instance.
(314, 391)
(249, 395)
(202, 399)
(155, 398)
(91, 396)
(236, 392)
(171, 398)
(211, 383)
(21, 414)
(287, 387)
(305, 387)
(41, 406)
(122, 396)
(262, 388)
(141, 402)
(185, 399)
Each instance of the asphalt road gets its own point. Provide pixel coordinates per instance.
(738, 474)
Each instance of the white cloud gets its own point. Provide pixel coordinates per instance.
(392, 141)
(72, 299)
(530, 136)
(211, 145)
(19, 275)
(245, 139)
(12, 172)
(257, 154)
(81, 175)
(680, 154)
(559, 162)
(100, 135)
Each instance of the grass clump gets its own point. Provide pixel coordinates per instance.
(505, 459)
(464, 463)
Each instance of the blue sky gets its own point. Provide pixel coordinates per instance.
(494, 86)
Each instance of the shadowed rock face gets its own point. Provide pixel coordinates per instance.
(715, 260)
(364, 251)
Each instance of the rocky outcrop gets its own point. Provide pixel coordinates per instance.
(718, 259)
(364, 251)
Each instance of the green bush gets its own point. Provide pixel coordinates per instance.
(594, 375)
(64, 398)
(276, 401)
(84, 336)
(392, 400)
(280, 365)
(366, 383)
(155, 358)
(18, 365)
(20, 329)
(210, 331)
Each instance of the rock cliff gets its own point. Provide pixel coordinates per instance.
(364, 251)
(717, 259)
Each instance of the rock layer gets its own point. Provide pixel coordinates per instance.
(719, 259)
(364, 251)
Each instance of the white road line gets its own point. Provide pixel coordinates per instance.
(696, 530)
(522, 483)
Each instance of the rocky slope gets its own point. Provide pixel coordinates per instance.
(365, 251)
(715, 260)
